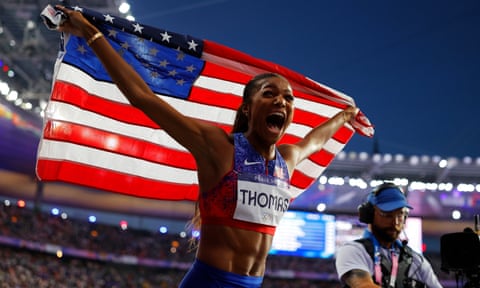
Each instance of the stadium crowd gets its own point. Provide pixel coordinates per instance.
(38, 249)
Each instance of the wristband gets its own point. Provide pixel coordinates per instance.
(94, 38)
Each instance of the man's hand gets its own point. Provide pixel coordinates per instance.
(359, 279)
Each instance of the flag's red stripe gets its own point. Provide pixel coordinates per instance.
(322, 158)
(288, 138)
(128, 146)
(314, 98)
(216, 71)
(219, 72)
(213, 98)
(308, 118)
(114, 181)
(69, 93)
(301, 180)
(343, 135)
(66, 171)
(243, 58)
(74, 95)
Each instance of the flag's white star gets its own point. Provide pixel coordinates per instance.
(154, 74)
(173, 72)
(180, 56)
(108, 18)
(163, 63)
(76, 8)
(137, 28)
(190, 68)
(192, 45)
(112, 33)
(166, 37)
(180, 82)
(153, 52)
(81, 49)
(125, 45)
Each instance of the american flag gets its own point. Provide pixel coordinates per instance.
(93, 137)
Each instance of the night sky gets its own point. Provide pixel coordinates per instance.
(413, 67)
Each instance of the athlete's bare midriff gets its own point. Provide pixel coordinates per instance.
(234, 250)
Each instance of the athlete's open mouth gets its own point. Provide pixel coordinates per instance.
(276, 120)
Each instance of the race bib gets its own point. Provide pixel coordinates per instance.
(261, 199)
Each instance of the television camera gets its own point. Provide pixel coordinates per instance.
(460, 254)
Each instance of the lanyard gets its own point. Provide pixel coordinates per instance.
(393, 275)
(377, 257)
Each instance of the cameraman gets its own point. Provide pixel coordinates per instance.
(380, 259)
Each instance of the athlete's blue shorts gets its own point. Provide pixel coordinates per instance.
(206, 276)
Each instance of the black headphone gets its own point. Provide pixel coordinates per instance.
(366, 209)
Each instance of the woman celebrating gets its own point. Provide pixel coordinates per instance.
(243, 176)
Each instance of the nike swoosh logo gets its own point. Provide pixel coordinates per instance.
(247, 163)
